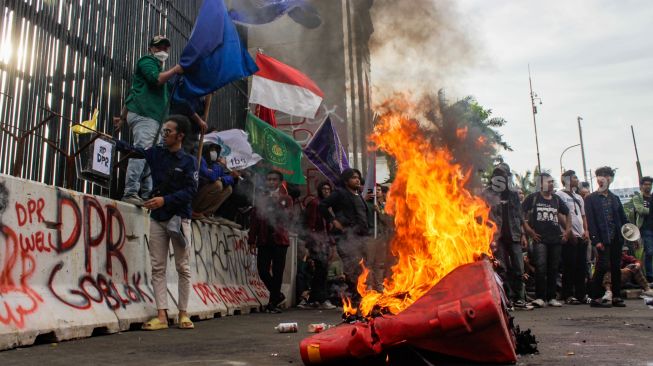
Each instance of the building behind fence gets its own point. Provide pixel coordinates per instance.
(62, 59)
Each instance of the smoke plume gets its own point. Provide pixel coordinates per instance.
(416, 47)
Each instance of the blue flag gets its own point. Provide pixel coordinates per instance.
(266, 11)
(326, 152)
(214, 55)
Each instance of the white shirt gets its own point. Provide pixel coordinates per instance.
(576, 209)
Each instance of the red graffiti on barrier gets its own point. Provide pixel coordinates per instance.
(235, 294)
(206, 294)
(27, 215)
(95, 288)
(34, 207)
(258, 287)
(231, 295)
(100, 289)
(82, 225)
(17, 300)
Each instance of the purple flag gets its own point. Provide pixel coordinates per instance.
(326, 152)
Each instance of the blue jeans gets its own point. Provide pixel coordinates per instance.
(547, 264)
(139, 180)
(647, 238)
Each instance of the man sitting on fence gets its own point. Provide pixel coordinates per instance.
(175, 183)
(215, 183)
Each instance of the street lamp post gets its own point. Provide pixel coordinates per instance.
(534, 97)
(562, 170)
(582, 148)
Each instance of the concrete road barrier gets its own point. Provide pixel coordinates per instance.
(74, 264)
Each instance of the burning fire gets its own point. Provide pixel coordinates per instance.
(439, 225)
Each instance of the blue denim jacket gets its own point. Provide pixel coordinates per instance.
(174, 175)
(596, 220)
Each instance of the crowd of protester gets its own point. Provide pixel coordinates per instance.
(570, 246)
(177, 177)
(550, 247)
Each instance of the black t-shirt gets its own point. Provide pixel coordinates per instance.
(543, 216)
(648, 219)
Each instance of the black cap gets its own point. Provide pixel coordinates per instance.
(501, 169)
(159, 41)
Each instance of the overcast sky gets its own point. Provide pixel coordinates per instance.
(588, 58)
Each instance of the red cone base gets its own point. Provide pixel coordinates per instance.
(462, 316)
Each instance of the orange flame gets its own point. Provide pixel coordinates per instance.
(439, 225)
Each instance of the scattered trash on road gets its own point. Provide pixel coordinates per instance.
(317, 328)
(286, 328)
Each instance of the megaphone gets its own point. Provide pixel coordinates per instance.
(463, 316)
(630, 232)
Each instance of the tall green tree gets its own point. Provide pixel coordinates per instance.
(470, 132)
(467, 130)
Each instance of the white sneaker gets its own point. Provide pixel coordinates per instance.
(538, 303)
(648, 293)
(607, 296)
(555, 303)
(327, 305)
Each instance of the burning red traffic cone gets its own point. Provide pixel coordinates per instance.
(462, 316)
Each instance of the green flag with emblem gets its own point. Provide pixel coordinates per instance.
(279, 151)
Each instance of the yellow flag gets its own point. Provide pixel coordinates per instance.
(92, 124)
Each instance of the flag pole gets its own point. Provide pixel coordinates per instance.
(637, 163)
(207, 108)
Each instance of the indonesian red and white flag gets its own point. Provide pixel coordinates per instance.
(280, 87)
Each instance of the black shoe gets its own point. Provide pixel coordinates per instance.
(618, 302)
(282, 299)
(600, 304)
(273, 309)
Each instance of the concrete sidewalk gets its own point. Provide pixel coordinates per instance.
(571, 335)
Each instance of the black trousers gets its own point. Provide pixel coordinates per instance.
(271, 262)
(574, 266)
(319, 253)
(608, 259)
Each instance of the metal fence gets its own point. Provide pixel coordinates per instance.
(62, 59)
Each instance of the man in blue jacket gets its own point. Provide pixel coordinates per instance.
(174, 174)
(215, 183)
(605, 217)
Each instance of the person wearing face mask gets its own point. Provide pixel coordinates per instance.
(215, 183)
(509, 239)
(144, 111)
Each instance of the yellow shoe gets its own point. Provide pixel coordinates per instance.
(154, 324)
(185, 323)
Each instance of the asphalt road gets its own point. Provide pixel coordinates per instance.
(571, 335)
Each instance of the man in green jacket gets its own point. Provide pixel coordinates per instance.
(642, 216)
(144, 110)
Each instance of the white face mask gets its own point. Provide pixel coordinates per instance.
(214, 155)
(161, 56)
